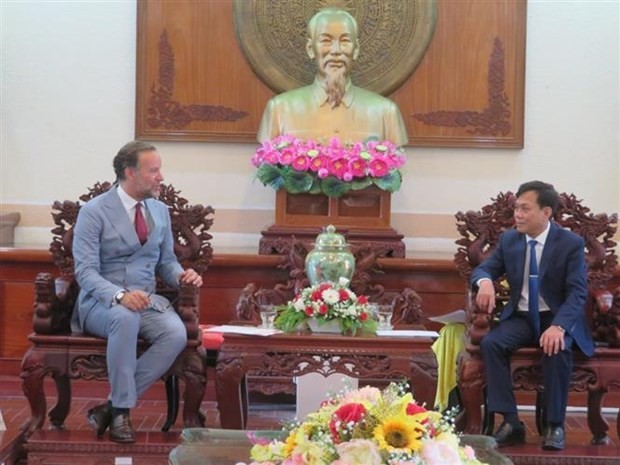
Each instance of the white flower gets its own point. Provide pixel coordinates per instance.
(299, 305)
(343, 282)
(330, 296)
(359, 452)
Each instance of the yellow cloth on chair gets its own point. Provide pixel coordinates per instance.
(447, 348)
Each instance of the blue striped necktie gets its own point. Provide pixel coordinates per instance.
(532, 298)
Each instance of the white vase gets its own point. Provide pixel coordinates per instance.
(330, 326)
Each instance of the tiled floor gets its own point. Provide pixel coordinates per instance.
(149, 415)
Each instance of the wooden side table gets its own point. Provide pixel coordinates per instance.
(287, 354)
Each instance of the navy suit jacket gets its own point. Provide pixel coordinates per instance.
(562, 277)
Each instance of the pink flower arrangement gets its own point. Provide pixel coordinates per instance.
(308, 166)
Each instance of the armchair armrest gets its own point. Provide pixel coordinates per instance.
(478, 322)
(53, 304)
(606, 316)
(188, 309)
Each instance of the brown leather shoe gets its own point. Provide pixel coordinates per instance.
(508, 435)
(121, 430)
(99, 418)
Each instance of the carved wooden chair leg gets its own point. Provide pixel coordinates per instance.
(471, 386)
(58, 413)
(32, 386)
(541, 412)
(195, 376)
(172, 397)
(596, 422)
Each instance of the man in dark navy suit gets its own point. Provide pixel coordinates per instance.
(546, 270)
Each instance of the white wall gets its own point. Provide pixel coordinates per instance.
(68, 101)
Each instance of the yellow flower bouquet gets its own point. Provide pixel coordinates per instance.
(367, 426)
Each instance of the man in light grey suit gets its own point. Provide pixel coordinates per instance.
(122, 240)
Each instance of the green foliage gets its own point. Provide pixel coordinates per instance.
(390, 182)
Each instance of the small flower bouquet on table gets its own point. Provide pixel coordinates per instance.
(367, 427)
(300, 166)
(325, 303)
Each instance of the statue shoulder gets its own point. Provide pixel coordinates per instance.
(294, 95)
(372, 98)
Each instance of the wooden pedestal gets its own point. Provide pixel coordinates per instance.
(362, 216)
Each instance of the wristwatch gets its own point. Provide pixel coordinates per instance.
(119, 296)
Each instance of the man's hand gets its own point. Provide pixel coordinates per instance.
(189, 276)
(485, 299)
(552, 340)
(136, 300)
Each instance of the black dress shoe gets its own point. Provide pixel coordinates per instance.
(99, 418)
(554, 438)
(508, 435)
(121, 430)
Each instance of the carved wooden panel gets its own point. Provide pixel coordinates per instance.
(194, 83)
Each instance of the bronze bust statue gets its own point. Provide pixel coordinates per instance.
(332, 106)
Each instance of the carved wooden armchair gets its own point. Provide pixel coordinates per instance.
(480, 233)
(64, 355)
(407, 305)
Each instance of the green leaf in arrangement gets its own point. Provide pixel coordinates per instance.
(297, 182)
(390, 182)
(316, 186)
(334, 187)
(360, 184)
(270, 175)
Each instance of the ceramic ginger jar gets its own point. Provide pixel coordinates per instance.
(330, 259)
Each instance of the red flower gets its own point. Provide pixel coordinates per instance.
(323, 309)
(324, 286)
(343, 415)
(309, 311)
(362, 299)
(316, 295)
(413, 409)
(363, 316)
(344, 295)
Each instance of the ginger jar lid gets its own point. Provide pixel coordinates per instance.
(330, 239)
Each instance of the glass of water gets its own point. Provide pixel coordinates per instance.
(384, 316)
(267, 316)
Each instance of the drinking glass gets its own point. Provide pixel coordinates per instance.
(267, 316)
(384, 316)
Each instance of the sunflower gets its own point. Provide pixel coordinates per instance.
(398, 433)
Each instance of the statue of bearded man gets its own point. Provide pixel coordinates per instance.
(332, 106)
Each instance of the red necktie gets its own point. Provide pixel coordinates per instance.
(141, 228)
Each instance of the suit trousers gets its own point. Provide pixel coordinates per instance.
(130, 376)
(497, 347)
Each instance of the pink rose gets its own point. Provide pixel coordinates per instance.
(286, 156)
(439, 453)
(301, 163)
(378, 168)
(337, 166)
(357, 167)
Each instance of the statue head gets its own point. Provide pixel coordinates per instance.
(333, 44)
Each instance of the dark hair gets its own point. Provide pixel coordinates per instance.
(547, 195)
(127, 156)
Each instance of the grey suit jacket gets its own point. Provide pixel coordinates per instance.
(108, 255)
